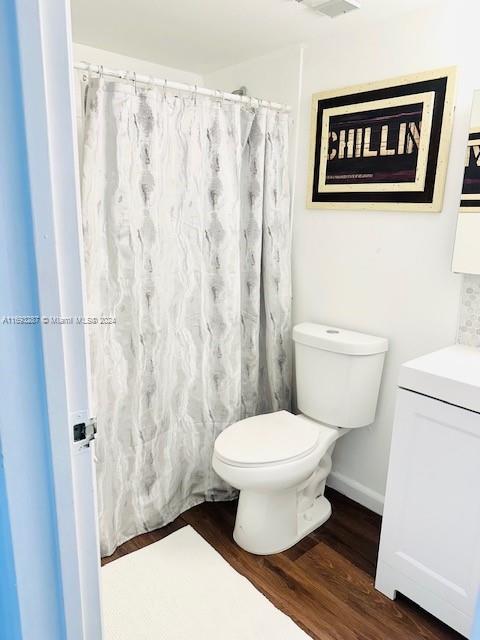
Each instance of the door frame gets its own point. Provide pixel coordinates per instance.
(46, 76)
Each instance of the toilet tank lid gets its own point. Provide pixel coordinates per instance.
(338, 340)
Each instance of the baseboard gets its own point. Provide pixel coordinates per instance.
(356, 491)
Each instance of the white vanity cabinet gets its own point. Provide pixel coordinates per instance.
(430, 542)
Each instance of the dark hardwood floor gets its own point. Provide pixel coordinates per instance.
(324, 583)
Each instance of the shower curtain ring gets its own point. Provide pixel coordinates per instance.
(195, 95)
(135, 82)
(165, 89)
(100, 71)
(88, 72)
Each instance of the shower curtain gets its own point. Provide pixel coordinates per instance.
(187, 253)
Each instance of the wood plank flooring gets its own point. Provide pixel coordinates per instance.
(324, 583)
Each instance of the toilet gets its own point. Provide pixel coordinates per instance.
(280, 461)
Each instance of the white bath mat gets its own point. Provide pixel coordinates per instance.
(181, 589)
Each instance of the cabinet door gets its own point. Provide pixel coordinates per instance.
(431, 527)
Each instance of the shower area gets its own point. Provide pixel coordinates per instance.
(187, 234)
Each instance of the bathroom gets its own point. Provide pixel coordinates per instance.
(220, 310)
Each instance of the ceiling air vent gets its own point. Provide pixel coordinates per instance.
(333, 8)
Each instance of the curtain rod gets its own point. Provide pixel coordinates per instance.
(179, 86)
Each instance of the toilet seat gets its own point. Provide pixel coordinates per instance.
(269, 439)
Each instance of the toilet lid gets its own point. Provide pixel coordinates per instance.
(267, 439)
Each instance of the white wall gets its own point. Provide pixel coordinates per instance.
(385, 273)
(84, 53)
(378, 272)
(261, 76)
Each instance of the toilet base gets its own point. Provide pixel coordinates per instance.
(314, 517)
(270, 523)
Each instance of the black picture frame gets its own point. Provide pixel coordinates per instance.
(384, 145)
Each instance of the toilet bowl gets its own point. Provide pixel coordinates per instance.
(280, 461)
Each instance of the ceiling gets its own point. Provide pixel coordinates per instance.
(204, 35)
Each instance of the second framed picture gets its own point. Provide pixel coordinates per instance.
(470, 201)
(384, 145)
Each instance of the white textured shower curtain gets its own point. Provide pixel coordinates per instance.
(187, 249)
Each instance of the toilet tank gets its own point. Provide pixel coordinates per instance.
(338, 374)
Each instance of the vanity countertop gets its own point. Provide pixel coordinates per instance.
(451, 374)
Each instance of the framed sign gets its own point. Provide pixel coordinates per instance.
(466, 255)
(470, 201)
(382, 146)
